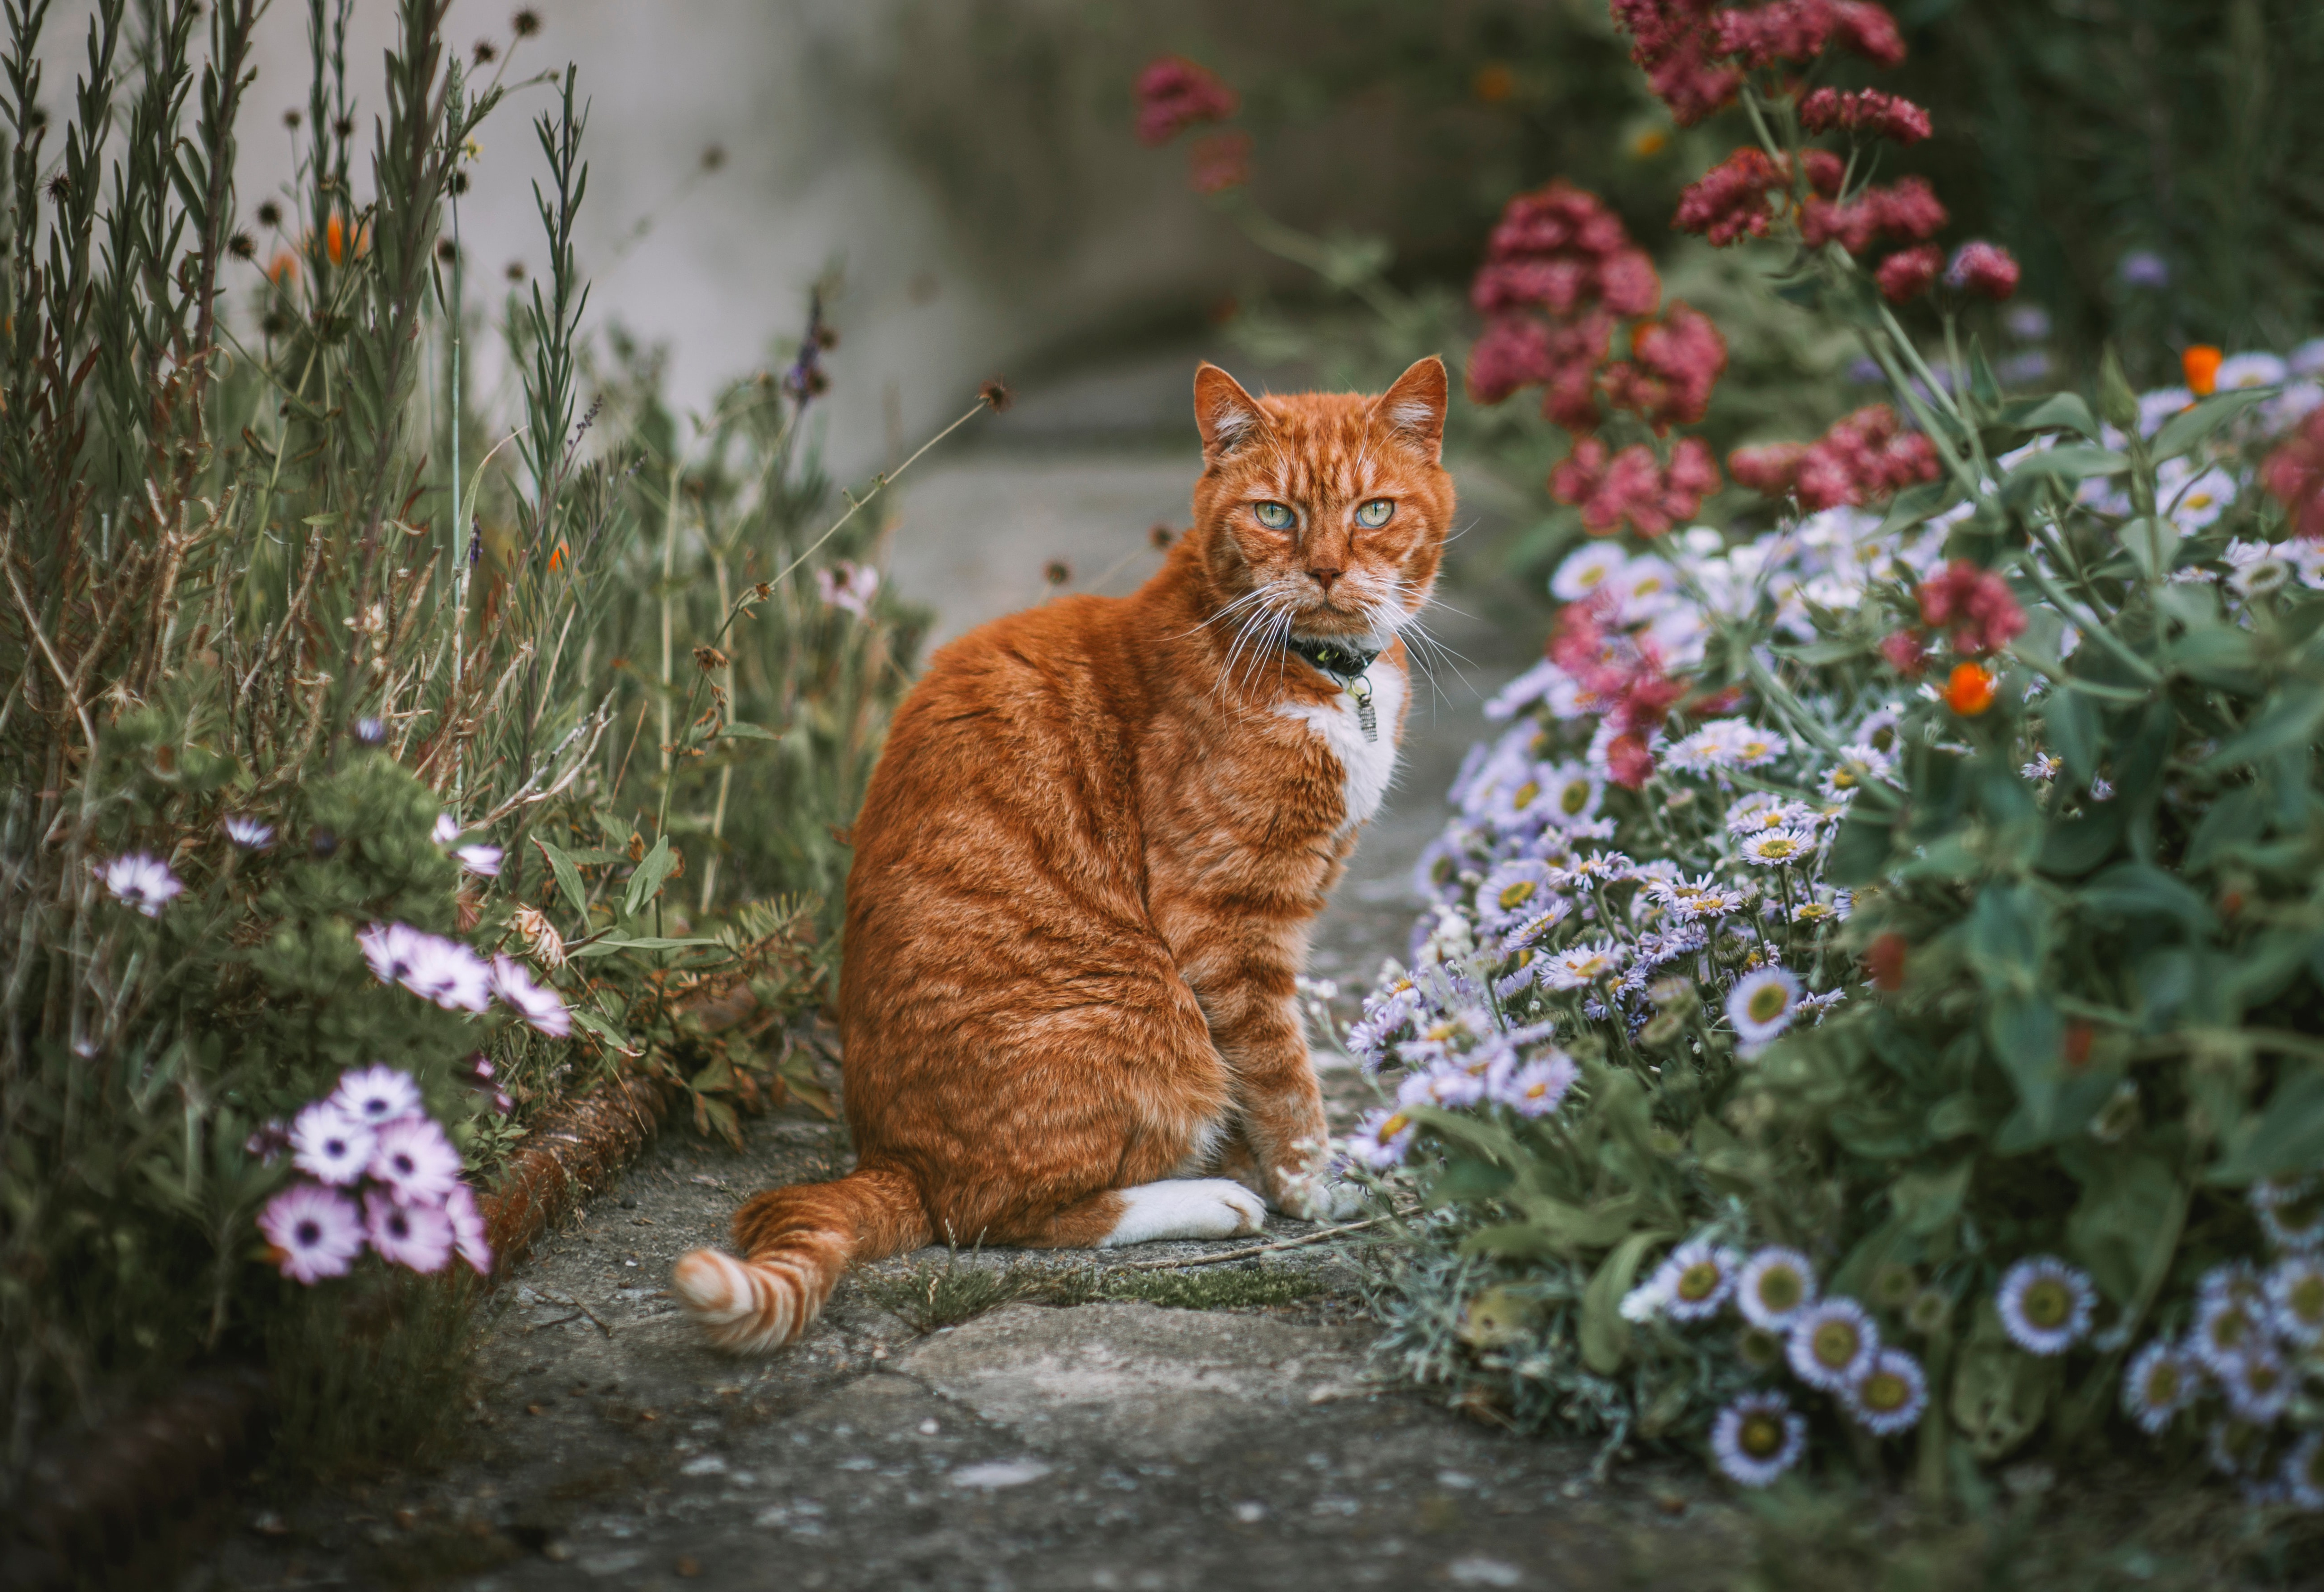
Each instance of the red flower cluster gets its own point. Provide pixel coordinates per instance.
(1907, 209)
(1975, 603)
(1674, 365)
(1624, 670)
(1802, 29)
(1559, 270)
(1904, 651)
(1174, 94)
(1674, 42)
(1865, 456)
(1984, 268)
(1867, 110)
(2294, 474)
(1219, 163)
(1633, 487)
(1909, 272)
(1730, 200)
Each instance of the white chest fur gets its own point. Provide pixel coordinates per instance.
(1367, 766)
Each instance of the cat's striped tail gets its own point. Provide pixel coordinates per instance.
(796, 1242)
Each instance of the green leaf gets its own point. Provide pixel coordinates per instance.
(2237, 817)
(611, 944)
(741, 730)
(568, 881)
(2289, 718)
(2072, 461)
(2190, 427)
(2286, 1138)
(1859, 850)
(645, 884)
(2000, 1392)
(1927, 1199)
(2125, 1226)
(2139, 890)
(2152, 544)
(2118, 401)
(1918, 503)
(2072, 725)
(1983, 387)
(590, 1021)
(1605, 1336)
(2051, 412)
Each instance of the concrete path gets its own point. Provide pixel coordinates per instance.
(1094, 1433)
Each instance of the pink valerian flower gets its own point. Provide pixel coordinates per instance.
(1628, 761)
(469, 1235)
(1174, 94)
(1905, 653)
(416, 1162)
(1674, 365)
(1987, 270)
(1908, 273)
(1769, 468)
(1865, 455)
(415, 1235)
(1731, 200)
(316, 1232)
(1907, 211)
(1633, 487)
(1560, 268)
(2294, 474)
(541, 1009)
(1802, 29)
(1220, 161)
(1976, 603)
(1671, 40)
(1867, 110)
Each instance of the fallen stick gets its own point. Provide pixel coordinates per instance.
(1255, 1249)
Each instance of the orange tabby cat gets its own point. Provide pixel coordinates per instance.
(1086, 867)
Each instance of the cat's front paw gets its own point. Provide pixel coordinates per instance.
(1316, 1196)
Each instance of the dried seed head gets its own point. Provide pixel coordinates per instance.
(540, 937)
(292, 119)
(270, 214)
(707, 658)
(515, 272)
(527, 22)
(446, 251)
(486, 52)
(343, 126)
(713, 155)
(996, 395)
(765, 589)
(1161, 536)
(637, 846)
(241, 245)
(457, 182)
(1058, 572)
(60, 189)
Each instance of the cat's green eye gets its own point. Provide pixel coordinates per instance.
(1371, 516)
(1273, 516)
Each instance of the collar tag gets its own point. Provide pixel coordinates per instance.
(1360, 689)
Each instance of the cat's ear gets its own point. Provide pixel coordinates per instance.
(1226, 415)
(1414, 408)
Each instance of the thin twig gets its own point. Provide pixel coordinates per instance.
(583, 1308)
(1317, 1236)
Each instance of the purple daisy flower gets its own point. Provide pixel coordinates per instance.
(542, 1008)
(2160, 1383)
(1775, 1285)
(140, 879)
(248, 833)
(317, 1230)
(1696, 1280)
(2045, 1305)
(415, 1235)
(377, 1096)
(2259, 1385)
(479, 859)
(331, 1143)
(416, 1162)
(468, 1231)
(1891, 1396)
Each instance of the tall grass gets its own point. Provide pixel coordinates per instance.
(265, 557)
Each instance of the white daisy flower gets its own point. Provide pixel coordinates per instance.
(1778, 848)
(377, 1096)
(1761, 1004)
(1605, 867)
(1450, 1087)
(2290, 1212)
(1833, 1344)
(1540, 1086)
(1579, 966)
(2191, 497)
(1775, 1286)
(1381, 1139)
(2226, 1329)
(1891, 1396)
(1827, 905)
(2043, 767)
(1523, 692)
(138, 879)
(1514, 892)
(1696, 1279)
(2160, 1383)
(1758, 1438)
(329, 1143)
(1574, 793)
(1586, 570)
(2249, 370)
(2045, 1305)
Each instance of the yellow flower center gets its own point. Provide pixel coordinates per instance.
(1515, 895)
(1779, 1289)
(2049, 1305)
(2161, 1383)
(1576, 796)
(1768, 1003)
(1699, 1282)
(1884, 1393)
(1835, 1344)
(1526, 795)
(2305, 1299)
(1761, 1436)
(1393, 1125)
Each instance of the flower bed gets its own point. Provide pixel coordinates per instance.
(1870, 1001)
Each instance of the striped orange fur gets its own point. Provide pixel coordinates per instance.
(1085, 868)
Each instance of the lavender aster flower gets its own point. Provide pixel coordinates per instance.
(2295, 1288)
(371, 731)
(1891, 1396)
(2226, 1329)
(2259, 1384)
(2303, 1476)
(140, 879)
(2045, 1305)
(1381, 1139)
(1833, 1344)
(2160, 1383)
(1696, 1280)
(318, 1231)
(331, 1143)
(1540, 1086)
(1758, 1438)
(416, 1162)
(1761, 1004)
(415, 1235)
(1775, 1286)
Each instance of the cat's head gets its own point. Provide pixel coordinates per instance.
(1322, 514)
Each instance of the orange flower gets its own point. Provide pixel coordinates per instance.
(2201, 363)
(1493, 83)
(557, 555)
(334, 239)
(1969, 691)
(284, 271)
(1884, 960)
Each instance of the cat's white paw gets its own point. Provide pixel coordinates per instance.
(1317, 1196)
(1185, 1208)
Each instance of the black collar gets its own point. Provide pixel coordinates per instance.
(1342, 662)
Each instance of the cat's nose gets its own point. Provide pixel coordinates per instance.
(1325, 577)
